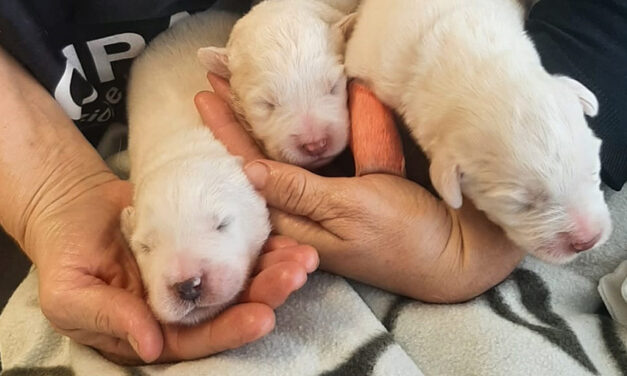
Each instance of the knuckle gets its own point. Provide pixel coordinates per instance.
(292, 188)
(102, 322)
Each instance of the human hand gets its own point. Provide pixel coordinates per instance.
(91, 289)
(379, 229)
(62, 205)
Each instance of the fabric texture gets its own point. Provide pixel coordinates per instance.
(587, 40)
(542, 320)
(81, 51)
(613, 290)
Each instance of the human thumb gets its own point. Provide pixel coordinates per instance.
(294, 190)
(118, 313)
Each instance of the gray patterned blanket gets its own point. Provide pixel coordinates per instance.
(542, 320)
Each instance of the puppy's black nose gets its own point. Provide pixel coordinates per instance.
(189, 289)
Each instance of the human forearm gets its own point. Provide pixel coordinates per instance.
(43, 157)
(477, 257)
(412, 244)
(466, 267)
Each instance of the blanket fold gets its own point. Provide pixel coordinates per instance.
(542, 320)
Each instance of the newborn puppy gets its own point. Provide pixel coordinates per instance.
(196, 225)
(284, 61)
(495, 125)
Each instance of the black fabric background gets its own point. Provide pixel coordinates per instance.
(36, 31)
(585, 39)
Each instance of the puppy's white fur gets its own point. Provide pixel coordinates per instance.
(194, 213)
(494, 123)
(284, 60)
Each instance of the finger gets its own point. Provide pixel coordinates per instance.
(121, 359)
(303, 255)
(220, 87)
(275, 284)
(217, 115)
(306, 231)
(235, 327)
(374, 140)
(297, 191)
(112, 348)
(278, 241)
(116, 313)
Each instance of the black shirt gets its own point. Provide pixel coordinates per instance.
(587, 40)
(81, 50)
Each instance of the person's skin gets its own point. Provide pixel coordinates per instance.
(379, 229)
(61, 204)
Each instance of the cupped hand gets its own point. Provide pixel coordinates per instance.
(61, 203)
(379, 229)
(90, 287)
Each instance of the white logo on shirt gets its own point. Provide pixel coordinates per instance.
(103, 61)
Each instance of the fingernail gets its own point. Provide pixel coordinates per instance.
(133, 343)
(257, 173)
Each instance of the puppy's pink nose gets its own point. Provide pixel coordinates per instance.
(585, 245)
(316, 148)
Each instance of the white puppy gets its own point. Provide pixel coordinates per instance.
(196, 225)
(495, 125)
(284, 62)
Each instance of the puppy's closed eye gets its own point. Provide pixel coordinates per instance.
(144, 248)
(266, 105)
(529, 200)
(522, 207)
(224, 224)
(262, 108)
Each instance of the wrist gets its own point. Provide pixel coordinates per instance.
(481, 253)
(44, 159)
(64, 181)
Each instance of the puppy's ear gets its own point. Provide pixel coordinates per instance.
(127, 222)
(215, 60)
(347, 24)
(588, 100)
(446, 179)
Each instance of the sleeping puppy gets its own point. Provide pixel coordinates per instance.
(496, 126)
(285, 65)
(196, 225)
